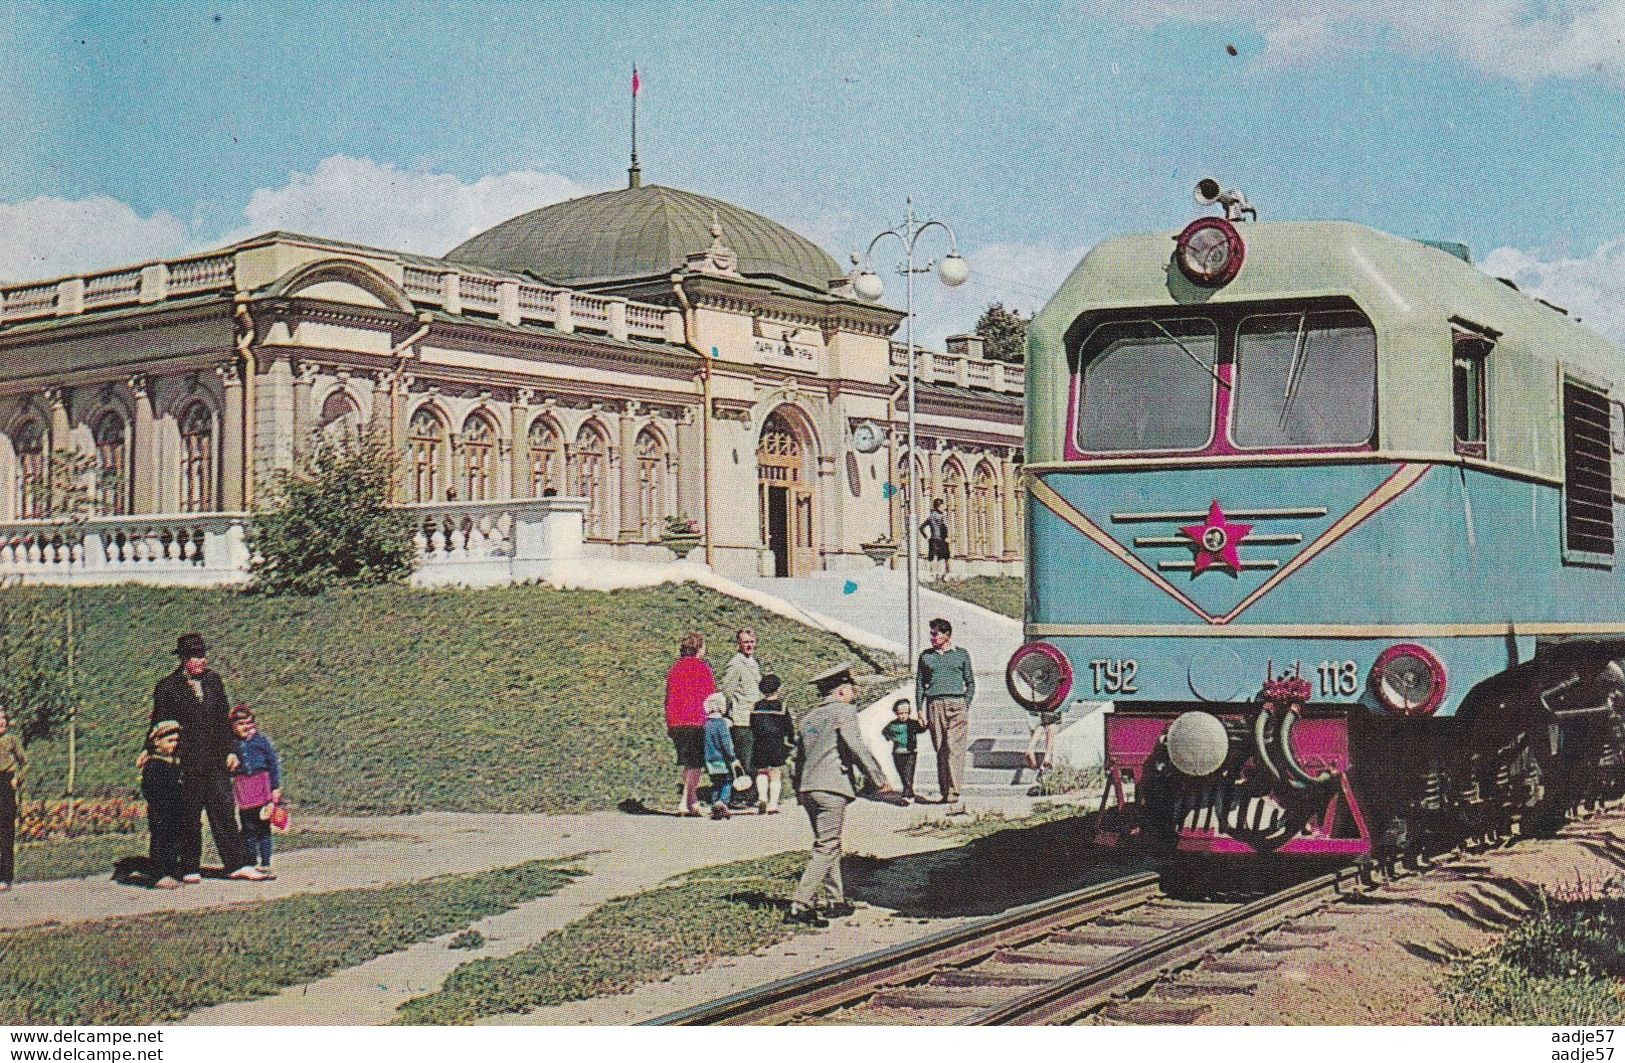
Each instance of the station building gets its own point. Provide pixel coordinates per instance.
(657, 352)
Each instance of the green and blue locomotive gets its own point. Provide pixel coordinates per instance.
(1329, 517)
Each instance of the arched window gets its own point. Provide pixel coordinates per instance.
(476, 457)
(589, 477)
(653, 507)
(112, 437)
(426, 447)
(197, 459)
(32, 491)
(984, 500)
(953, 497)
(546, 457)
(341, 417)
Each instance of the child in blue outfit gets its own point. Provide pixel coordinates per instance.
(258, 781)
(720, 760)
(903, 733)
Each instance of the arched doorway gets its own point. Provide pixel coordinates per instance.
(785, 497)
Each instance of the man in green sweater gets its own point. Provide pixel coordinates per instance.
(944, 685)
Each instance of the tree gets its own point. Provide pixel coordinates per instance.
(1004, 332)
(330, 522)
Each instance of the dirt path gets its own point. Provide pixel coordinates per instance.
(1378, 959)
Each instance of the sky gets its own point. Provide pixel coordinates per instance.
(142, 130)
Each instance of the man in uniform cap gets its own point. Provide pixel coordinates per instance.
(829, 737)
(194, 697)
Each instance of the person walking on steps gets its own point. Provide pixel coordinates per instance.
(829, 738)
(935, 530)
(944, 685)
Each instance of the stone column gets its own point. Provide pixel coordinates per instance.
(304, 418)
(631, 514)
(61, 431)
(518, 429)
(1011, 483)
(829, 508)
(231, 437)
(934, 489)
(143, 449)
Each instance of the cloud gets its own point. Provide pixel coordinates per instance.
(1521, 40)
(48, 237)
(358, 200)
(1587, 287)
(381, 205)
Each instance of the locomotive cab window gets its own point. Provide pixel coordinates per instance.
(1148, 386)
(1305, 379)
(1588, 479)
(1469, 394)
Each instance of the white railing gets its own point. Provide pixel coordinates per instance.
(196, 549)
(479, 292)
(946, 368)
(489, 544)
(978, 373)
(110, 289)
(1015, 377)
(536, 301)
(469, 544)
(201, 274)
(34, 300)
(644, 319)
(421, 283)
(590, 310)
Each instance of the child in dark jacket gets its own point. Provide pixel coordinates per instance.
(161, 787)
(773, 734)
(258, 781)
(720, 760)
(903, 732)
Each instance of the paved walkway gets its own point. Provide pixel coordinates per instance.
(623, 854)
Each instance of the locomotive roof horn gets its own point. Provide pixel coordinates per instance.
(1234, 203)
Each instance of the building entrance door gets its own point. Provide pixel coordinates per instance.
(785, 498)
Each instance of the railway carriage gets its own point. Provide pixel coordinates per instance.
(1329, 516)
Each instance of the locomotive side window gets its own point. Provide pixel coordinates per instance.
(1305, 379)
(1148, 386)
(1616, 421)
(1588, 483)
(1469, 394)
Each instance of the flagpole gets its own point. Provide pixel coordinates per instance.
(634, 175)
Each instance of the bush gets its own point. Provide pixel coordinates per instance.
(75, 817)
(33, 651)
(331, 523)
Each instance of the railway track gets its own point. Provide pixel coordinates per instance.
(1052, 962)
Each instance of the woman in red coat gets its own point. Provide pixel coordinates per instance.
(688, 684)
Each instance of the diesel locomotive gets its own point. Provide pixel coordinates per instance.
(1328, 516)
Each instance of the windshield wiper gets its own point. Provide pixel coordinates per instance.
(1294, 372)
(1188, 352)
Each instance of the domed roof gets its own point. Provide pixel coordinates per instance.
(638, 232)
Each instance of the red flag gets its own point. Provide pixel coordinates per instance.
(636, 84)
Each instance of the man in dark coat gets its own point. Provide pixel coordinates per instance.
(193, 696)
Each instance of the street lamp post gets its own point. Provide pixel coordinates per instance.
(952, 270)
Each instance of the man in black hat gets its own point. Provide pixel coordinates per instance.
(829, 738)
(194, 697)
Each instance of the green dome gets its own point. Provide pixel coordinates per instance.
(638, 232)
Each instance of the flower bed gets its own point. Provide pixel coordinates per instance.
(39, 821)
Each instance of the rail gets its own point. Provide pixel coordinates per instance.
(843, 983)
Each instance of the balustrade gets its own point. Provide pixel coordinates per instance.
(110, 289)
(201, 274)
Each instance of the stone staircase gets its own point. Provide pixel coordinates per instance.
(874, 601)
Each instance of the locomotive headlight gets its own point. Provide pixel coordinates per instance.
(1198, 744)
(1210, 252)
(1409, 679)
(1039, 677)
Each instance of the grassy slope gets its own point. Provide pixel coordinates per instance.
(1002, 594)
(518, 699)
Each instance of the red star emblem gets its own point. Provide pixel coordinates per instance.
(1215, 541)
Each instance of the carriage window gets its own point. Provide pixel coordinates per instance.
(1588, 479)
(1469, 394)
(1305, 379)
(1148, 386)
